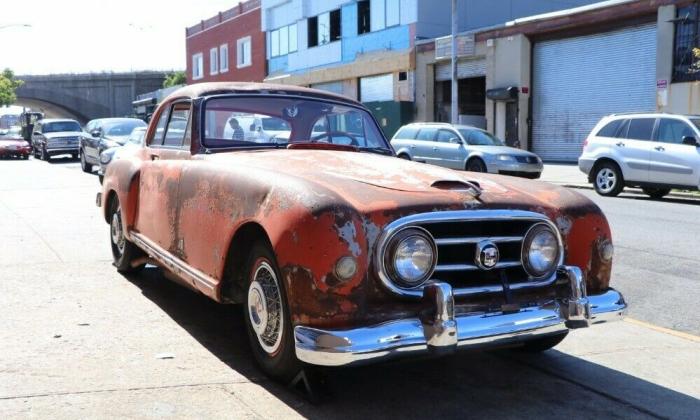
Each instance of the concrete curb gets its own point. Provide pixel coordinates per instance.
(635, 190)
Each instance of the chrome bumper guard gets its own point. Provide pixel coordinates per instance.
(444, 332)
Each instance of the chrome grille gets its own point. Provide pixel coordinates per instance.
(457, 234)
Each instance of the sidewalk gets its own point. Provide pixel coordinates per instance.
(569, 175)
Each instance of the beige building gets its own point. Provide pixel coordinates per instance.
(546, 80)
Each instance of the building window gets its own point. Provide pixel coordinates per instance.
(686, 65)
(197, 66)
(325, 28)
(363, 17)
(392, 13)
(243, 52)
(223, 58)
(214, 61)
(283, 40)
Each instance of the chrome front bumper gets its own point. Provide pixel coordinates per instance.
(444, 332)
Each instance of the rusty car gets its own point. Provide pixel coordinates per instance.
(339, 252)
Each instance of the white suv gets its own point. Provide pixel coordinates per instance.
(656, 152)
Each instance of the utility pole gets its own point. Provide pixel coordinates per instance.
(455, 90)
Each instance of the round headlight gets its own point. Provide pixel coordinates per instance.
(541, 251)
(411, 257)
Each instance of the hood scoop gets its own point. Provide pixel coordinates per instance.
(470, 187)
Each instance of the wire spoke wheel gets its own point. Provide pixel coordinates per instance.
(117, 231)
(265, 308)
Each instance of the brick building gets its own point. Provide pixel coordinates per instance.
(227, 47)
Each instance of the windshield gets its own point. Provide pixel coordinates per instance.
(480, 138)
(15, 130)
(137, 135)
(696, 122)
(122, 128)
(60, 126)
(272, 121)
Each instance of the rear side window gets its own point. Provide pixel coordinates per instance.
(610, 129)
(407, 133)
(622, 131)
(160, 128)
(427, 134)
(641, 128)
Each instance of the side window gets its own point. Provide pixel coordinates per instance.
(641, 128)
(177, 125)
(444, 136)
(157, 139)
(407, 133)
(622, 131)
(427, 134)
(673, 131)
(609, 129)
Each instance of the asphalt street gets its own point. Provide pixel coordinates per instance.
(79, 340)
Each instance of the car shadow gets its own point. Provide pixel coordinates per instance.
(63, 159)
(499, 384)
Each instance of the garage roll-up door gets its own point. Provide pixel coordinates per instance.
(465, 69)
(576, 81)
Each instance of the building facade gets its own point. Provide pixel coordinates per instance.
(227, 47)
(548, 79)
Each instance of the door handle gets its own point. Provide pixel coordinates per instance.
(659, 148)
(620, 144)
(434, 148)
(413, 146)
(155, 157)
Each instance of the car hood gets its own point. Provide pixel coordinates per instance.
(5, 142)
(501, 150)
(371, 181)
(61, 134)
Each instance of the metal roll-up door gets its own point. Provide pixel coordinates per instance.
(335, 87)
(465, 69)
(576, 81)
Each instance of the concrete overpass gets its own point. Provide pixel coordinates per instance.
(88, 96)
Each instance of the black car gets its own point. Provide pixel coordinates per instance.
(102, 134)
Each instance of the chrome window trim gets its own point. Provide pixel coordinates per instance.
(416, 220)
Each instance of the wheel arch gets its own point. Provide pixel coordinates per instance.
(474, 156)
(600, 161)
(232, 287)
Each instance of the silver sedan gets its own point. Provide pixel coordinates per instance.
(463, 147)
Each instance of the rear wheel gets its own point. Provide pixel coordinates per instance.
(476, 165)
(267, 317)
(86, 167)
(542, 344)
(124, 252)
(656, 193)
(608, 180)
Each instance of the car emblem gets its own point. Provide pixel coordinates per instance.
(292, 111)
(487, 255)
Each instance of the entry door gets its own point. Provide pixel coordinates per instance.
(451, 150)
(673, 162)
(512, 124)
(633, 146)
(160, 178)
(426, 147)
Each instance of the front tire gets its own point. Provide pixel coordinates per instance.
(86, 167)
(656, 193)
(267, 316)
(608, 180)
(475, 165)
(124, 252)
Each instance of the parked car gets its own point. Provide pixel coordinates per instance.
(342, 254)
(259, 128)
(656, 152)
(133, 143)
(11, 147)
(464, 147)
(14, 132)
(53, 137)
(102, 134)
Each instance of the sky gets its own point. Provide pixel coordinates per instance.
(80, 36)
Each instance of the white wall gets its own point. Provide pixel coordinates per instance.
(317, 56)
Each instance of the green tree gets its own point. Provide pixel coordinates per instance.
(174, 79)
(8, 85)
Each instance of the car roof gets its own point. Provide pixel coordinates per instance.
(199, 90)
(649, 115)
(53, 120)
(443, 125)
